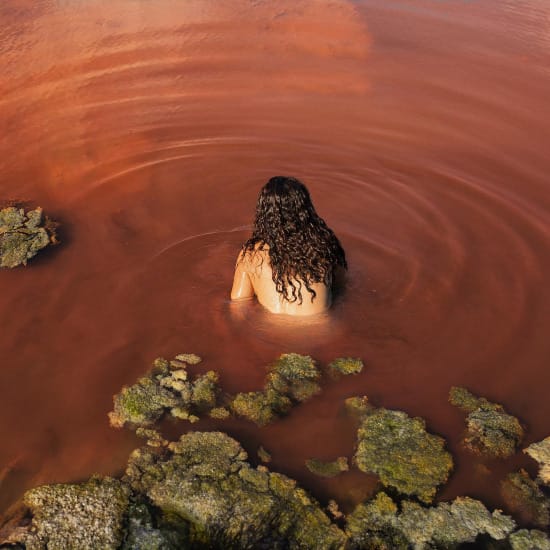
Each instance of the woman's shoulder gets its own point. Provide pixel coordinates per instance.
(251, 260)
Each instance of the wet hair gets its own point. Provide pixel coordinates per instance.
(302, 249)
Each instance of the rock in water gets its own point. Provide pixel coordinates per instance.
(87, 516)
(345, 366)
(205, 484)
(490, 430)
(529, 540)
(22, 235)
(293, 378)
(541, 453)
(401, 452)
(327, 469)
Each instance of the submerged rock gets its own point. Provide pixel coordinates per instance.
(263, 455)
(346, 366)
(86, 516)
(525, 498)
(167, 388)
(541, 453)
(327, 469)
(291, 379)
(23, 235)
(401, 452)
(490, 431)
(380, 524)
(205, 483)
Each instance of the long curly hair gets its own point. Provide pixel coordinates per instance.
(302, 248)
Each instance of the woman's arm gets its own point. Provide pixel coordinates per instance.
(242, 286)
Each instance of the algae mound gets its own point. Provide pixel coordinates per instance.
(293, 378)
(327, 469)
(205, 482)
(167, 388)
(529, 540)
(400, 451)
(346, 366)
(541, 453)
(524, 497)
(86, 516)
(380, 524)
(23, 235)
(490, 430)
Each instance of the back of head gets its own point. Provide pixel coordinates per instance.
(302, 249)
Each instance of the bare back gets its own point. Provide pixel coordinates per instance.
(253, 276)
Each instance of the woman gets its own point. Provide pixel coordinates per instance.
(291, 259)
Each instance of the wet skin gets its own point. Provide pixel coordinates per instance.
(253, 277)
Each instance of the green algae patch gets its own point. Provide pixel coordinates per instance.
(524, 497)
(490, 430)
(168, 388)
(541, 453)
(206, 482)
(23, 235)
(345, 366)
(401, 452)
(382, 524)
(525, 539)
(87, 516)
(327, 469)
(292, 379)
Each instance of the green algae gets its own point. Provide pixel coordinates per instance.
(490, 430)
(168, 388)
(541, 453)
(327, 469)
(401, 452)
(87, 516)
(23, 235)
(524, 497)
(529, 540)
(382, 524)
(292, 379)
(206, 482)
(345, 366)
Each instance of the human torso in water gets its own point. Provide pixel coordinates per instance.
(253, 276)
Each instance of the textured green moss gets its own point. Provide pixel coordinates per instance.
(380, 524)
(219, 413)
(541, 453)
(189, 358)
(490, 430)
(399, 450)
(206, 482)
(88, 516)
(525, 498)
(168, 387)
(291, 379)
(327, 469)
(346, 366)
(22, 235)
(529, 540)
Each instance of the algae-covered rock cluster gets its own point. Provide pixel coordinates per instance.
(383, 524)
(490, 430)
(345, 366)
(541, 453)
(23, 234)
(167, 388)
(400, 451)
(291, 379)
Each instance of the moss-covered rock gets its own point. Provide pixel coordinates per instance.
(529, 540)
(206, 483)
(379, 524)
(291, 379)
(541, 453)
(87, 516)
(168, 388)
(345, 366)
(490, 430)
(401, 452)
(327, 469)
(525, 498)
(23, 235)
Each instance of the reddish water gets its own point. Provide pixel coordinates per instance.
(147, 128)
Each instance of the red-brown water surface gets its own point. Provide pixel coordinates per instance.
(147, 128)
